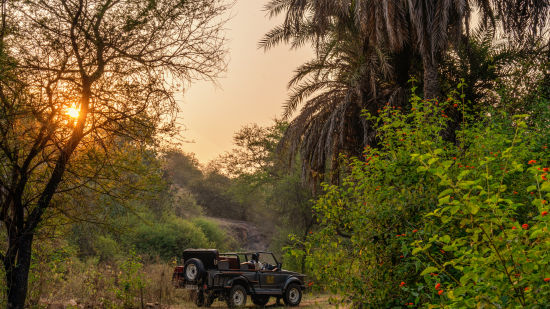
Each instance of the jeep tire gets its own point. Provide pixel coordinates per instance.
(292, 295)
(236, 297)
(260, 300)
(193, 270)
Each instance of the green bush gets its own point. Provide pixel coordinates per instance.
(168, 240)
(214, 234)
(419, 211)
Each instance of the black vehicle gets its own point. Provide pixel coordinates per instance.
(233, 276)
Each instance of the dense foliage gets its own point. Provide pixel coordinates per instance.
(419, 220)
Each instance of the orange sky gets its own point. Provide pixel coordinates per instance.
(252, 91)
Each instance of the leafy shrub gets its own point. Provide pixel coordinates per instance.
(420, 220)
(168, 240)
(214, 234)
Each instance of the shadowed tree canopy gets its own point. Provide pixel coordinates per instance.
(76, 79)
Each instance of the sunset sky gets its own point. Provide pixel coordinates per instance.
(253, 88)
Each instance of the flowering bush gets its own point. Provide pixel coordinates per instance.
(419, 220)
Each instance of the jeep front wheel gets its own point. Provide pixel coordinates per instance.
(293, 295)
(237, 297)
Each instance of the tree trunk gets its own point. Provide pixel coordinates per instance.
(431, 78)
(17, 264)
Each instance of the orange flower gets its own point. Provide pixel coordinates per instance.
(440, 292)
(543, 176)
(455, 105)
(525, 226)
(414, 231)
(402, 283)
(532, 162)
(546, 169)
(438, 286)
(515, 192)
(514, 228)
(546, 279)
(544, 213)
(454, 158)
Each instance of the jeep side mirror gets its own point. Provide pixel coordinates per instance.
(279, 266)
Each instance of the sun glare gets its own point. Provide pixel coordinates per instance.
(72, 112)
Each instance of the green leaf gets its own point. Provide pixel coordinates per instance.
(531, 188)
(445, 192)
(429, 270)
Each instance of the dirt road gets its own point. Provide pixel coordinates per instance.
(245, 233)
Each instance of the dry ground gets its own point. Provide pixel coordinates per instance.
(309, 301)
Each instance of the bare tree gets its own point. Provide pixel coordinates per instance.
(75, 76)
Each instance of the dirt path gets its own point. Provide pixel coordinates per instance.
(309, 301)
(246, 233)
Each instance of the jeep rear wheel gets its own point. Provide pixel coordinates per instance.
(293, 295)
(237, 297)
(260, 300)
(193, 270)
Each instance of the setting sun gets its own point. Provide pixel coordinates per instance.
(72, 112)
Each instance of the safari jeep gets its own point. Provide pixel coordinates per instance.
(231, 277)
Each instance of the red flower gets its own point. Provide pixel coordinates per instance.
(310, 283)
(438, 286)
(442, 251)
(455, 105)
(514, 228)
(525, 226)
(402, 283)
(546, 279)
(526, 289)
(543, 176)
(440, 292)
(414, 231)
(434, 274)
(546, 169)
(544, 213)
(401, 256)
(454, 158)
(410, 304)
(532, 162)
(515, 192)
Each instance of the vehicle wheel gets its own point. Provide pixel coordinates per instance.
(237, 297)
(193, 270)
(293, 295)
(260, 300)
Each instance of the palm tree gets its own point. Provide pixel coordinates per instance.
(366, 51)
(347, 75)
(429, 26)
